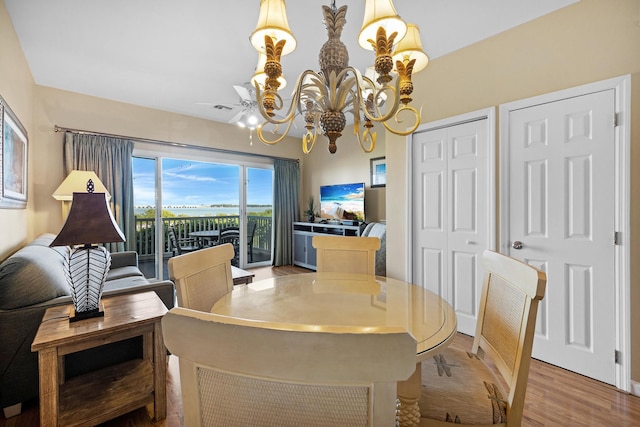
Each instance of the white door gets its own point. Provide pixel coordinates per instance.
(562, 219)
(452, 205)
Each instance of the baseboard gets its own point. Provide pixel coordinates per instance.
(635, 388)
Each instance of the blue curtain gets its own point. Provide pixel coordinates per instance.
(285, 208)
(110, 158)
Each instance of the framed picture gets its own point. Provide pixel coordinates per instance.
(378, 172)
(13, 160)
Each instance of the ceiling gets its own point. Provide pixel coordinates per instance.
(185, 56)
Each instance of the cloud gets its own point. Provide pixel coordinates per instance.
(194, 178)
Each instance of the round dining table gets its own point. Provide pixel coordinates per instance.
(346, 299)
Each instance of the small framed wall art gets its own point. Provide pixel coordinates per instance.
(13, 160)
(378, 172)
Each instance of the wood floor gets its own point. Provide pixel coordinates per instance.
(555, 397)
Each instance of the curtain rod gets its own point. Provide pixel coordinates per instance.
(172, 144)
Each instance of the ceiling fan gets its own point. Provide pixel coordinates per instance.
(249, 116)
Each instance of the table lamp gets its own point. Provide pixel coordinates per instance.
(86, 266)
(77, 181)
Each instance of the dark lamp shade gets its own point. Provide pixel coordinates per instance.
(89, 221)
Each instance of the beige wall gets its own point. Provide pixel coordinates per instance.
(72, 110)
(589, 41)
(348, 164)
(16, 87)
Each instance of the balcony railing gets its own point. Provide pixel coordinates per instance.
(146, 231)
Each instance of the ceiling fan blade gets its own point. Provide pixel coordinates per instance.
(243, 92)
(235, 118)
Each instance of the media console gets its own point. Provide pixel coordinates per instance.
(304, 254)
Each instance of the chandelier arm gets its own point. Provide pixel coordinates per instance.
(309, 141)
(368, 138)
(301, 89)
(275, 141)
(412, 129)
(288, 117)
(292, 107)
(393, 111)
(362, 83)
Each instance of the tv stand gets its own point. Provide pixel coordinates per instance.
(304, 254)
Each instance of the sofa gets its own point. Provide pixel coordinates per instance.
(379, 230)
(32, 280)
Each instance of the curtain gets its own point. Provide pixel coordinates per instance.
(285, 209)
(110, 158)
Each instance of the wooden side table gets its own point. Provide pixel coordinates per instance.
(101, 395)
(241, 276)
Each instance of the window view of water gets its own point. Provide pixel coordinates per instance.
(204, 210)
(198, 196)
(195, 189)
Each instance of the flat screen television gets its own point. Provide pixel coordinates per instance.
(342, 202)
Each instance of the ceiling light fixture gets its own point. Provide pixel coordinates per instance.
(322, 98)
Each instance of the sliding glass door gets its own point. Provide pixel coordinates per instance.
(145, 196)
(198, 199)
(259, 213)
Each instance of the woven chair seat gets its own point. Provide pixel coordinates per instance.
(459, 387)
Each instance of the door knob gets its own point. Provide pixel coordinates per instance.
(517, 244)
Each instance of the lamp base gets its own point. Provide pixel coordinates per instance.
(89, 314)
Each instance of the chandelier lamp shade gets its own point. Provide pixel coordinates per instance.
(86, 265)
(273, 23)
(322, 98)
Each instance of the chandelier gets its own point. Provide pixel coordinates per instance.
(322, 98)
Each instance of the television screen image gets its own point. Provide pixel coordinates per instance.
(342, 201)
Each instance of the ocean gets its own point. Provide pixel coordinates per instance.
(207, 211)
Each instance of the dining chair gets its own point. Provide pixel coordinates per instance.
(202, 277)
(237, 372)
(179, 246)
(487, 385)
(346, 254)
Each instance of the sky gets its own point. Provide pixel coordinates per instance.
(193, 183)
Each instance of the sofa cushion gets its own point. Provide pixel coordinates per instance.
(43, 240)
(125, 283)
(379, 230)
(122, 272)
(32, 275)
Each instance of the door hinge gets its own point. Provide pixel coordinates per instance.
(617, 238)
(617, 357)
(616, 119)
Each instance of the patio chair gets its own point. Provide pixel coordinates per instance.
(179, 246)
(462, 387)
(251, 234)
(231, 235)
(202, 277)
(345, 254)
(236, 372)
